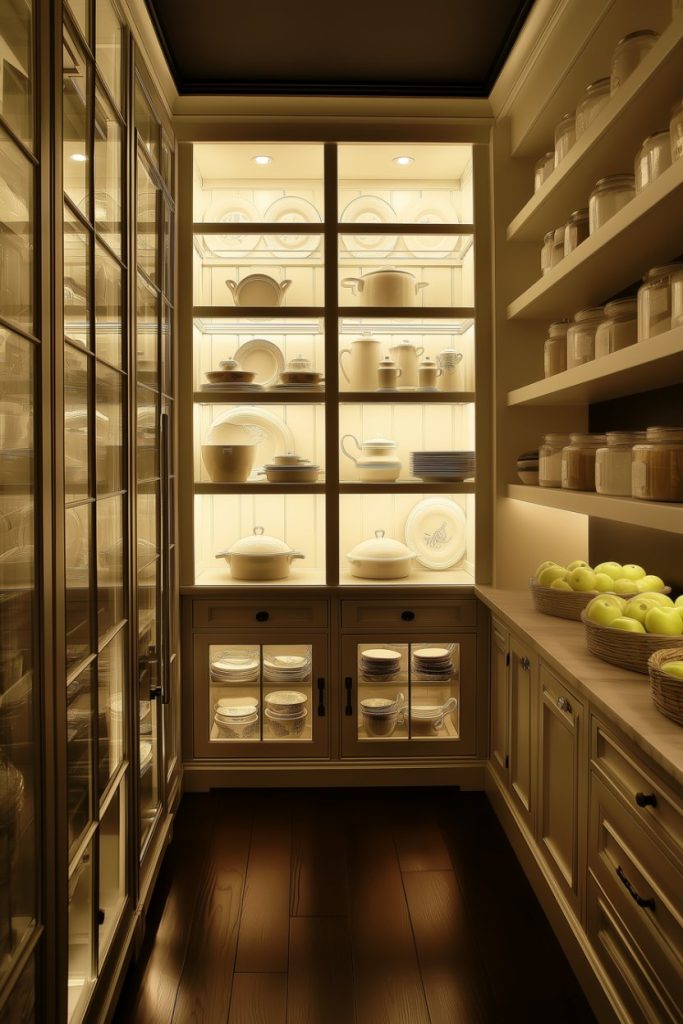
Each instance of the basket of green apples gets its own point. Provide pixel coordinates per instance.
(666, 681)
(565, 590)
(628, 633)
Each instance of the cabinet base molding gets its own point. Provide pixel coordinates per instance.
(199, 778)
(568, 930)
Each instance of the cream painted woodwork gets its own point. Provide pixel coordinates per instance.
(523, 682)
(500, 658)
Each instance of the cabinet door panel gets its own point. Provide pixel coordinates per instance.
(499, 700)
(418, 614)
(523, 675)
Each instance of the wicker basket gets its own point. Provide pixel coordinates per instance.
(627, 650)
(665, 690)
(568, 604)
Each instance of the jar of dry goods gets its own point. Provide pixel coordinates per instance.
(657, 470)
(555, 349)
(547, 251)
(565, 137)
(550, 460)
(595, 97)
(543, 169)
(655, 301)
(581, 336)
(677, 298)
(654, 156)
(628, 54)
(557, 253)
(608, 197)
(676, 132)
(578, 461)
(613, 463)
(619, 329)
(575, 230)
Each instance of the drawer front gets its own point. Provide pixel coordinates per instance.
(627, 969)
(402, 614)
(238, 614)
(648, 799)
(643, 884)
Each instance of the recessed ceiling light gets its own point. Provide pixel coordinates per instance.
(404, 161)
(262, 161)
(80, 158)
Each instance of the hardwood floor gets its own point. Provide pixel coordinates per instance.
(346, 907)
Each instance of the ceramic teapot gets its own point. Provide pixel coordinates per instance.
(377, 460)
(258, 290)
(364, 354)
(406, 356)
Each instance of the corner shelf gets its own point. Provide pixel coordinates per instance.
(256, 397)
(417, 396)
(654, 515)
(220, 577)
(419, 577)
(407, 487)
(646, 232)
(252, 487)
(640, 367)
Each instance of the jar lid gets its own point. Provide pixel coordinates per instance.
(558, 235)
(640, 34)
(381, 547)
(599, 85)
(621, 307)
(663, 271)
(566, 121)
(259, 544)
(548, 237)
(656, 135)
(387, 362)
(558, 329)
(556, 439)
(614, 182)
(593, 313)
(664, 433)
(379, 442)
(592, 439)
(616, 437)
(578, 216)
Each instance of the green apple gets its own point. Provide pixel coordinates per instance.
(613, 569)
(603, 611)
(652, 583)
(673, 668)
(582, 579)
(603, 582)
(662, 600)
(560, 585)
(542, 566)
(678, 603)
(550, 573)
(620, 602)
(637, 608)
(664, 622)
(624, 586)
(632, 572)
(628, 625)
(579, 564)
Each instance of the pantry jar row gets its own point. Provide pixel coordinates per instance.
(640, 464)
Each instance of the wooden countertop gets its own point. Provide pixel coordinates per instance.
(623, 697)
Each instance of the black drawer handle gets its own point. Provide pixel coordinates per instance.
(646, 799)
(646, 904)
(348, 683)
(100, 915)
(321, 698)
(407, 616)
(262, 616)
(525, 664)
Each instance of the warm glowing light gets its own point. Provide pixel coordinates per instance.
(80, 158)
(404, 161)
(263, 161)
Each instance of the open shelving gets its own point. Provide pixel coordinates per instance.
(656, 515)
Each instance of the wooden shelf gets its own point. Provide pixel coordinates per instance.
(257, 397)
(652, 514)
(407, 312)
(645, 233)
(419, 577)
(407, 487)
(641, 367)
(420, 397)
(300, 577)
(619, 129)
(253, 487)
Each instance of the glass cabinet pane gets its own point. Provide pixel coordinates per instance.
(148, 794)
(17, 818)
(287, 692)
(20, 1008)
(79, 770)
(111, 576)
(147, 125)
(109, 389)
(147, 434)
(75, 121)
(108, 307)
(76, 425)
(434, 690)
(147, 334)
(108, 48)
(112, 875)
(81, 958)
(78, 599)
(111, 674)
(147, 223)
(16, 94)
(76, 280)
(16, 434)
(383, 687)
(108, 182)
(16, 234)
(235, 691)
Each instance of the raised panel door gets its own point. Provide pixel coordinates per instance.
(499, 700)
(523, 682)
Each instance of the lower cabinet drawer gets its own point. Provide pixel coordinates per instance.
(399, 614)
(643, 884)
(255, 613)
(628, 970)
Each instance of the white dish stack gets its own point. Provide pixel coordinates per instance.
(443, 467)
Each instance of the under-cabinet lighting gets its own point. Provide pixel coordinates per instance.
(404, 161)
(80, 158)
(262, 161)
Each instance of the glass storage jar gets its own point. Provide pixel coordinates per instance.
(547, 251)
(575, 230)
(655, 301)
(555, 348)
(654, 156)
(619, 329)
(581, 336)
(557, 253)
(550, 460)
(657, 469)
(543, 169)
(565, 137)
(628, 54)
(676, 132)
(595, 97)
(608, 197)
(677, 298)
(578, 461)
(613, 463)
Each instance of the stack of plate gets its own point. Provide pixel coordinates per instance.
(232, 386)
(380, 665)
(436, 663)
(442, 467)
(237, 718)
(286, 668)
(234, 669)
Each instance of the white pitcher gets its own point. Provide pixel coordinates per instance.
(377, 461)
(365, 356)
(406, 356)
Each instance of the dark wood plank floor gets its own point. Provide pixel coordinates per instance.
(346, 907)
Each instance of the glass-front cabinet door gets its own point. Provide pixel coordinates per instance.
(256, 699)
(408, 696)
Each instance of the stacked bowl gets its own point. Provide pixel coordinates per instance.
(434, 664)
(286, 711)
(234, 668)
(236, 718)
(380, 665)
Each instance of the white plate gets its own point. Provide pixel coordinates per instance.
(145, 753)
(432, 210)
(292, 210)
(231, 210)
(274, 436)
(435, 531)
(263, 358)
(369, 210)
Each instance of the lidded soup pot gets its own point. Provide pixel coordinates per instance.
(581, 336)
(619, 329)
(259, 557)
(381, 558)
(613, 463)
(377, 459)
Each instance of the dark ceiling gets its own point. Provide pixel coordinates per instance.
(346, 47)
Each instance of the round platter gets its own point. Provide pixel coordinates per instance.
(293, 210)
(262, 358)
(436, 531)
(231, 210)
(369, 210)
(432, 210)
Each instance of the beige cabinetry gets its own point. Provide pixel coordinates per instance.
(500, 659)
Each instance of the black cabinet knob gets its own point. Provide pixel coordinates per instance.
(262, 616)
(407, 616)
(646, 799)
(100, 916)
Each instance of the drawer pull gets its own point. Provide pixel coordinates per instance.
(262, 616)
(525, 664)
(321, 698)
(348, 683)
(646, 799)
(408, 616)
(564, 705)
(646, 904)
